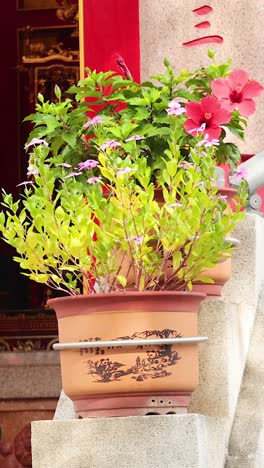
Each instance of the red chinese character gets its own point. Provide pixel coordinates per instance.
(210, 39)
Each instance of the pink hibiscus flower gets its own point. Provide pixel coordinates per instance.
(236, 92)
(206, 117)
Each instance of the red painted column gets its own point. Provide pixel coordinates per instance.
(111, 28)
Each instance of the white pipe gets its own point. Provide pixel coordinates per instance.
(116, 343)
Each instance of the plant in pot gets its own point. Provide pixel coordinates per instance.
(212, 102)
(205, 103)
(132, 117)
(126, 347)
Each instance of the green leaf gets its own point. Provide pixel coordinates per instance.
(39, 278)
(211, 54)
(177, 258)
(204, 279)
(228, 152)
(166, 176)
(60, 213)
(237, 131)
(70, 138)
(122, 280)
(172, 167)
(75, 246)
(68, 268)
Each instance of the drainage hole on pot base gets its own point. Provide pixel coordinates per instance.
(161, 402)
(80, 417)
(171, 412)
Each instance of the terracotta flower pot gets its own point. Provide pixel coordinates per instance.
(230, 194)
(220, 274)
(129, 380)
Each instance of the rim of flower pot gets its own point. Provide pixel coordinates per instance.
(233, 240)
(229, 192)
(131, 301)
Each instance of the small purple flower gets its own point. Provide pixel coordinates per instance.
(135, 138)
(241, 173)
(109, 144)
(64, 165)
(32, 171)
(213, 142)
(198, 129)
(27, 182)
(175, 108)
(95, 120)
(93, 180)
(136, 239)
(185, 164)
(36, 141)
(88, 164)
(175, 204)
(72, 174)
(222, 197)
(126, 170)
(207, 143)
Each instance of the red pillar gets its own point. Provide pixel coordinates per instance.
(111, 28)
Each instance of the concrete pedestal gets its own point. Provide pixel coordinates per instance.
(174, 441)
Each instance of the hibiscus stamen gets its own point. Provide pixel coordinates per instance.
(235, 96)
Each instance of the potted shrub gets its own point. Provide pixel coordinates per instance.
(206, 104)
(73, 228)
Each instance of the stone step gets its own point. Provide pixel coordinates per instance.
(222, 358)
(228, 323)
(246, 444)
(172, 441)
(247, 260)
